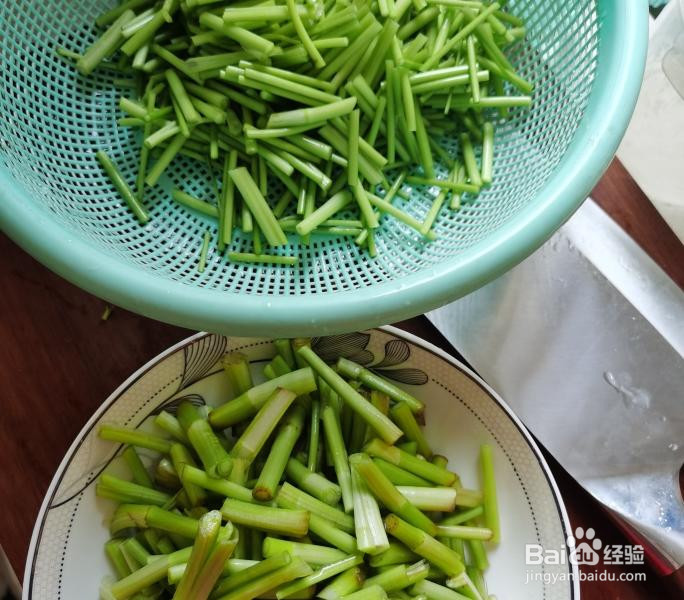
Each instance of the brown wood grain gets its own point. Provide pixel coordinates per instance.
(619, 195)
(59, 361)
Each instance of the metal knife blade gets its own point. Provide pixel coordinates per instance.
(585, 341)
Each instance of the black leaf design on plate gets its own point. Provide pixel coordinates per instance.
(406, 375)
(87, 479)
(396, 352)
(200, 357)
(172, 405)
(349, 345)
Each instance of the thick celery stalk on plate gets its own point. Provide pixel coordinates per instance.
(317, 482)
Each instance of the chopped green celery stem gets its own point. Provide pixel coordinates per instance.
(258, 206)
(147, 575)
(335, 442)
(227, 202)
(444, 183)
(489, 496)
(259, 13)
(278, 456)
(247, 39)
(325, 572)
(269, 92)
(425, 545)
(353, 149)
(219, 486)
(422, 139)
(432, 498)
(469, 160)
(370, 533)
(307, 169)
(301, 381)
(464, 532)
(208, 531)
(137, 468)
(472, 69)
(169, 130)
(179, 93)
(487, 153)
(389, 94)
(344, 584)
(165, 159)
(313, 554)
(379, 422)
(122, 187)
(422, 19)
(314, 433)
(174, 61)
(434, 74)
(201, 265)
(191, 202)
(114, 13)
(292, 148)
(279, 366)
(523, 85)
(454, 81)
(237, 368)
(318, 114)
(498, 101)
(252, 440)
(399, 577)
(374, 592)
(422, 468)
(408, 100)
(367, 212)
(435, 591)
(378, 383)
(275, 159)
(313, 483)
(134, 437)
(180, 457)
(252, 573)
(310, 48)
(116, 558)
(396, 553)
(403, 416)
(385, 491)
(284, 521)
(304, 89)
(460, 36)
(104, 46)
(205, 442)
(214, 564)
(257, 587)
(339, 143)
(134, 492)
(291, 497)
(463, 516)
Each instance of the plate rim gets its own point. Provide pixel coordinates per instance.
(29, 568)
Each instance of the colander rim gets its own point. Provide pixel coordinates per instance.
(620, 68)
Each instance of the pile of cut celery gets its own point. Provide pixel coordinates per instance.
(341, 101)
(318, 482)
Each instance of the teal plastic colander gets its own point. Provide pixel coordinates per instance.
(585, 57)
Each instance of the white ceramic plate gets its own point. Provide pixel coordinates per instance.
(66, 560)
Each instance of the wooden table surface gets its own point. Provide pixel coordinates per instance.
(59, 361)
